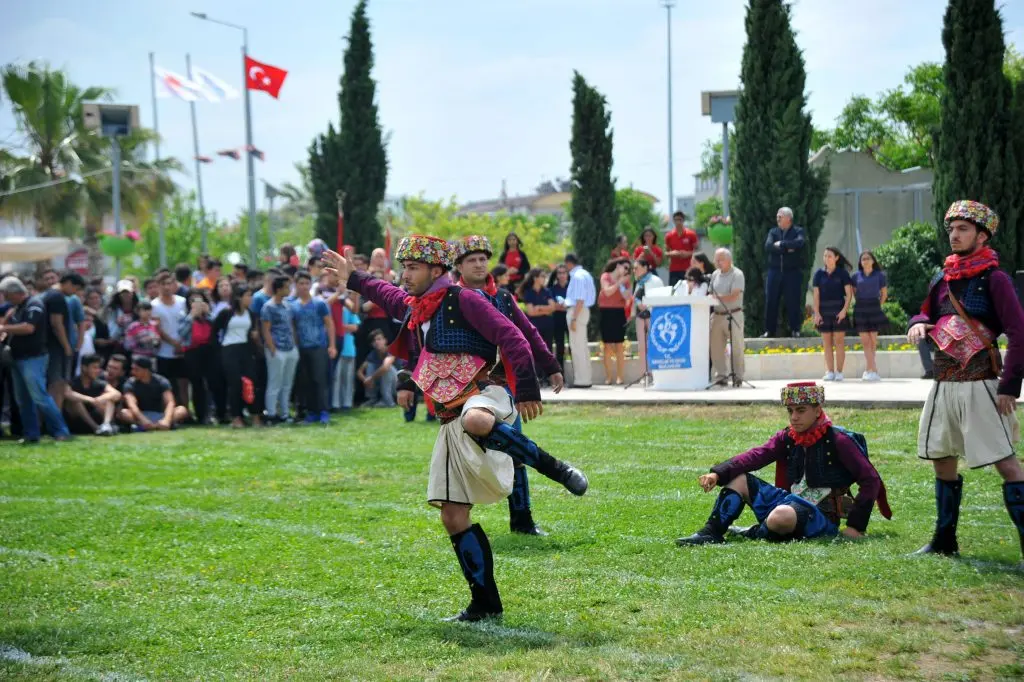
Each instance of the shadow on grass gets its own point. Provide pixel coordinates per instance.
(494, 637)
(513, 544)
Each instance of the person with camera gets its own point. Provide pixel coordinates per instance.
(646, 280)
(726, 287)
(612, 301)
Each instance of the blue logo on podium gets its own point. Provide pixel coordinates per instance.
(668, 342)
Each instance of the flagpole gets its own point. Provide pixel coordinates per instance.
(248, 153)
(199, 164)
(156, 157)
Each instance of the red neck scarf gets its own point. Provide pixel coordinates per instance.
(813, 434)
(966, 267)
(490, 288)
(423, 307)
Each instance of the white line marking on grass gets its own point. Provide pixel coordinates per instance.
(27, 553)
(16, 655)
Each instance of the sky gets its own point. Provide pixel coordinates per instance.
(471, 93)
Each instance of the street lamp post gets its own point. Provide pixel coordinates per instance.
(669, 4)
(248, 134)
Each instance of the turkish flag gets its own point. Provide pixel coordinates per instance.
(260, 76)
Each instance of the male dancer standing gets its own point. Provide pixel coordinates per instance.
(970, 410)
(451, 336)
(471, 257)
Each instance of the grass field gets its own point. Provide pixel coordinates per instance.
(304, 553)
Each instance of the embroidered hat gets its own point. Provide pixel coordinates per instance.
(983, 217)
(803, 393)
(474, 243)
(425, 249)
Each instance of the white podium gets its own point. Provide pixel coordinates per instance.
(678, 340)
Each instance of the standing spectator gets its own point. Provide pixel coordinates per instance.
(149, 400)
(26, 332)
(277, 324)
(101, 336)
(254, 279)
(726, 286)
(239, 273)
(143, 335)
(211, 275)
(91, 401)
(260, 297)
(287, 256)
(316, 341)
(58, 343)
(681, 242)
(648, 247)
(200, 272)
(361, 263)
(558, 283)
(514, 258)
(168, 311)
(237, 327)
(87, 344)
(540, 308)
(621, 248)
(183, 276)
(120, 312)
(346, 324)
(76, 326)
(785, 246)
(378, 374)
(501, 277)
(220, 296)
(833, 291)
(612, 302)
(870, 292)
(151, 287)
(579, 298)
(646, 280)
(201, 361)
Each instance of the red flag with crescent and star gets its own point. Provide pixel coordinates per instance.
(260, 76)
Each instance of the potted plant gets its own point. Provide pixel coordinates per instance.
(720, 230)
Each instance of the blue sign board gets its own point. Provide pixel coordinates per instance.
(668, 341)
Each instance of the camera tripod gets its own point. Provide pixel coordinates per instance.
(731, 378)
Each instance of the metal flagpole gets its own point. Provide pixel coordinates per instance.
(248, 153)
(115, 160)
(671, 189)
(156, 157)
(199, 164)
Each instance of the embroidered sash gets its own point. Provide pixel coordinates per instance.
(444, 376)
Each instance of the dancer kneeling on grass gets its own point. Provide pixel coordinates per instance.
(451, 336)
(815, 465)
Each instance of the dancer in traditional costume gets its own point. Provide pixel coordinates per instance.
(815, 465)
(970, 410)
(471, 256)
(451, 337)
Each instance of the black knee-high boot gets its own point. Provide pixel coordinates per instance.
(947, 503)
(520, 518)
(474, 553)
(504, 438)
(727, 509)
(1013, 495)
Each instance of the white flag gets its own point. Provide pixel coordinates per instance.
(212, 88)
(176, 85)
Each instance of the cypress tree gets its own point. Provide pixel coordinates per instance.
(353, 159)
(773, 142)
(975, 157)
(594, 216)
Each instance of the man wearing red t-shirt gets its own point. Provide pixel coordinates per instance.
(680, 243)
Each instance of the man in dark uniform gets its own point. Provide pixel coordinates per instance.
(786, 245)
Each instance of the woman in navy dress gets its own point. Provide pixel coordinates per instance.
(833, 292)
(870, 291)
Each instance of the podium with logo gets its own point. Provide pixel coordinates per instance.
(678, 341)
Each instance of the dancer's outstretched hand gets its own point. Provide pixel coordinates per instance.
(708, 482)
(336, 264)
(530, 409)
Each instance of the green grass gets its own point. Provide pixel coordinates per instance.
(304, 553)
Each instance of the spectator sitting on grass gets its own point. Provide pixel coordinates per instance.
(90, 402)
(149, 401)
(114, 372)
(378, 373)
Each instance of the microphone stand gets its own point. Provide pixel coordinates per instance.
(731, 378)
(641, 339)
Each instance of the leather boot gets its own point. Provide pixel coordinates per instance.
(473, 551)
(505, 438)
(947, 502)
(1013, 495)
(520, 518)
(727, 509)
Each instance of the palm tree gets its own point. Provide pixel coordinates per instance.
(55, 145)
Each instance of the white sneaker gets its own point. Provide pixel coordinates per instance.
(866, 376)
(838, 376)
(875, 376)
(829, 376)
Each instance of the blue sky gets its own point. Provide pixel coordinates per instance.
(471, 92)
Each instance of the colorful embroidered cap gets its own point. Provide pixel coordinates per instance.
(803, 393)
(425, 249)
(973, 212)
(474, 243)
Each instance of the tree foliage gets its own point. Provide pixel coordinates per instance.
(773, 139)
(976, 151)
(910, 259)
(594, 214)
(636, 213)
(352, 157)
(711, 206)
(538, 235)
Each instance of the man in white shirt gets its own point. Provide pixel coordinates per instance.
(727, 285)
(579, 298)
(168, 311)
